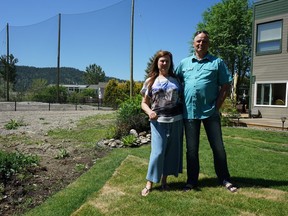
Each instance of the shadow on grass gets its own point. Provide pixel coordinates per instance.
(259, 182)
(245, 182)
(240, 182)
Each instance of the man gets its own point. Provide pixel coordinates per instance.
(206, 82)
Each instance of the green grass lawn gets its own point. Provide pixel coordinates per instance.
(258, 164)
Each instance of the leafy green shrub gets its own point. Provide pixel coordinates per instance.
(130, 116)
(228, 111)
(12, 163)
(13, 124)
(49, 94)
(74, 97)
(128, 140)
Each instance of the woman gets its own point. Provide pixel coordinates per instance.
(161, 102)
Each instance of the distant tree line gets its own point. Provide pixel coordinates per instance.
(39, 84)
(26, 74)
(115, 93)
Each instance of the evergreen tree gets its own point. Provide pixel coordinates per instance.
(94, 74)
(111, 93)
(11, 65)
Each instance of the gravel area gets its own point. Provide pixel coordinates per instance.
(40, 122)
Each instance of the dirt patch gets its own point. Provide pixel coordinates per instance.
(53, 174)
(267, 193)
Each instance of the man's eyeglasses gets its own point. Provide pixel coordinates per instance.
(202, 31)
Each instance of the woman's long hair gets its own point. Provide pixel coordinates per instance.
(154, 70)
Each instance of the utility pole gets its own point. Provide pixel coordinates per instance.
(8, 63)
(131, 49)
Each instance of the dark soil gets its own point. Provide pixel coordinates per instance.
(55, 171)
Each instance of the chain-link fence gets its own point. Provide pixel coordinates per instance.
(39, 106)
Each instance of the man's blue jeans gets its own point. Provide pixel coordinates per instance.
(213, 130)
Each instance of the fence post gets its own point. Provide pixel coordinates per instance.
(15, 106)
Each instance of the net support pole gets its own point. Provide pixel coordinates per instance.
(58, 58)
(131, 49)
(7, 65)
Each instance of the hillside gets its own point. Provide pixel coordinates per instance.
(68, 75)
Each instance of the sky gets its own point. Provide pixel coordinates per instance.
(98, 32)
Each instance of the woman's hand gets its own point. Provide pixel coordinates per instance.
(153, 115)
(145, 105)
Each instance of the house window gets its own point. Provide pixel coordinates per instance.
(271, 94)
(269, 37)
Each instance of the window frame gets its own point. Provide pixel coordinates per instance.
(269, 52)
(270, 82)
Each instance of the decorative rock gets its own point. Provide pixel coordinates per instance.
(142, 138)
(112, 144)
(106, 142)
(144, 133)
(134, 132)
(144, 141)
(119, 142)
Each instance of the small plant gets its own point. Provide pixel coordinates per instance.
(128, 140)
(80, 167)
(110, 133)
(12, 163)
(2, 188)
(13, 124)
(63, 153)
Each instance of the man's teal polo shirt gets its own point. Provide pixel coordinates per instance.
(201, 80)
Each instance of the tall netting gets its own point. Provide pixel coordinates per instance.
(99, 37)
(3, 50)
(35, 45)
